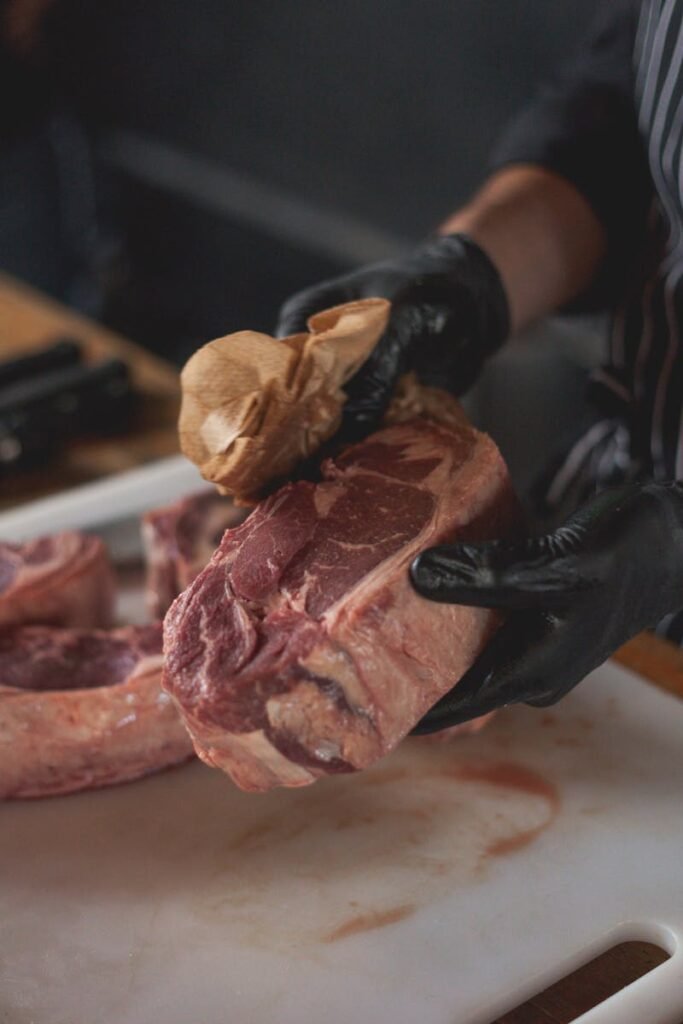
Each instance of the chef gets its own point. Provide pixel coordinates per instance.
(583, 208)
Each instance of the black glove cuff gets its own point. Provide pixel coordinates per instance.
(478, 272)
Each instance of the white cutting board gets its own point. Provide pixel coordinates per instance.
(444, 886)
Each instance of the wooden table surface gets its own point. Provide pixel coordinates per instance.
(29, 320)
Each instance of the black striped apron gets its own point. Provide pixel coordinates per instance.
(636, 428)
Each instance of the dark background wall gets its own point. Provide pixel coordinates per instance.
(245, 149)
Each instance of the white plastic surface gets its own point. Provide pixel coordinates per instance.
(104, 501)
(445, 886)
(181, 899)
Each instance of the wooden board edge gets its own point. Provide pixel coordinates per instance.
(656, 660)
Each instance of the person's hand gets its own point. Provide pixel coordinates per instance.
(573, 597)
(449, 313)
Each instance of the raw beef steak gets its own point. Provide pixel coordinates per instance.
(179, 540)
(62, 580)
(83, 708)
(302, 649)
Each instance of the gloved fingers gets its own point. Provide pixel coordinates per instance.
(529, 574)
(370, 390)
(523, 663)
(413, 340)
(297, 310)
(363, 413)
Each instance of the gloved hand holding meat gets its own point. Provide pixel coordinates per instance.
(448, 314)
(574, 596)
(306, 647)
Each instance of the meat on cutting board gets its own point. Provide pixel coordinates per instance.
(81, 709)
(179, 540)
(302, 649)
(61, 580)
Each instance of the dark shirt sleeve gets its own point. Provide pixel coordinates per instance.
(583, 126)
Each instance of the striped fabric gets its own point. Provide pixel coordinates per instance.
(641, 387)
(640, 391)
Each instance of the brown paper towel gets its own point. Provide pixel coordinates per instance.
(253, 406)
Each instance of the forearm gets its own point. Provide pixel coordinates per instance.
(542, 235)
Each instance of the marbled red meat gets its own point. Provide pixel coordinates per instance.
(302, 649)
(81, 709)
(180, 539)
(62, 580)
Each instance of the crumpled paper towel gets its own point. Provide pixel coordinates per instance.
(253, 407)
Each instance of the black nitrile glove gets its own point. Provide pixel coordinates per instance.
(449, 313)
(574, 596)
